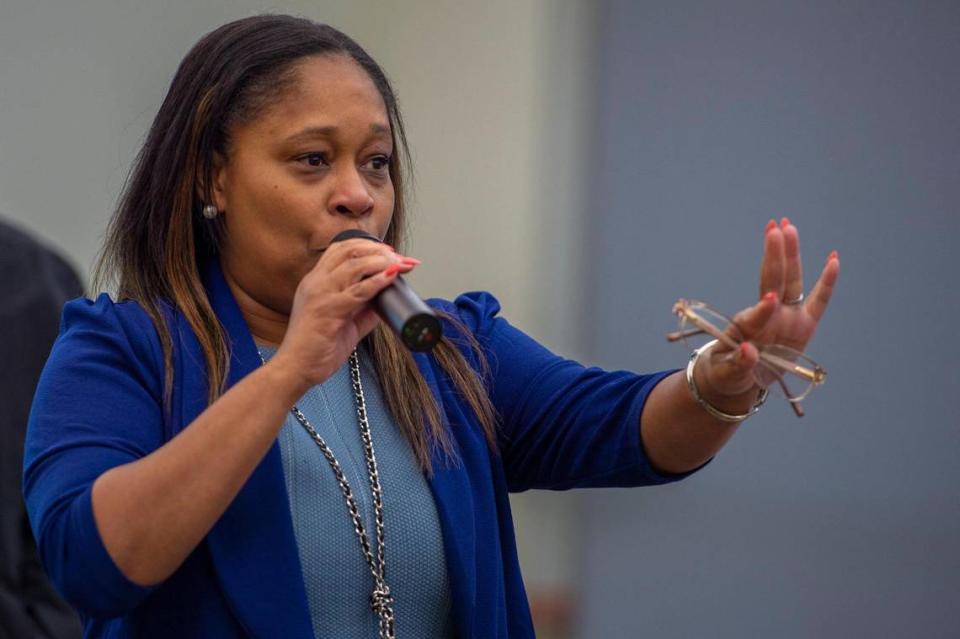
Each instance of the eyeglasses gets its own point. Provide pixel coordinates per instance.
(787, 371)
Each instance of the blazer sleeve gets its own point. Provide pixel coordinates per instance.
(98, 405)
(563, 425)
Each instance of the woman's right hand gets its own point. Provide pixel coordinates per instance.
(331, 309)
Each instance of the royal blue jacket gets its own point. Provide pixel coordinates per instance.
(99, 404)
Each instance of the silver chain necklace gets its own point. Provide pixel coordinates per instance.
(381, 601)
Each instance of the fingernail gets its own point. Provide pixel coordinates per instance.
(770, 297)
(833, 256)
(392, 270)
(411, 260)
(784, 222)
(743, 350)
(772, 224)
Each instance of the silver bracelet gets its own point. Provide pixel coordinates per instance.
(707, 406)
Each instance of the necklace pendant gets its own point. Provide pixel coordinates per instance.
(381, 600)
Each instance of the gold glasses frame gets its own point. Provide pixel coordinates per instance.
(776, 360)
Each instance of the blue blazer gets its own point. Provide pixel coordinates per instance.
(99, 405)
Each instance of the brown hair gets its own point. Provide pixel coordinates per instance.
(158, 239)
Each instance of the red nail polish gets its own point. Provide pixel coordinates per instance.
(743, 349)
(392, 270)
(411, 260)
(772, 224)
(770, 297)
(833, 256)
(784, 222)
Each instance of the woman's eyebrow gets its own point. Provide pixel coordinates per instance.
(314, 132)
(311, 133)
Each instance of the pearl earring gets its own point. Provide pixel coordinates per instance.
(210, 211)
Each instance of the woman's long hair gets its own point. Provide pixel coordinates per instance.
(158, 239)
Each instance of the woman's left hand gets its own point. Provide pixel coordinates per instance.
(774, 319)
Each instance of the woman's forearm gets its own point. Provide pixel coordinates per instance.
(678, 434)
(153, 512)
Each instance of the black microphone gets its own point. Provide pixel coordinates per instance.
(411, 319)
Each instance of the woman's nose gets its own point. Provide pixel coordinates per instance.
(351, 194)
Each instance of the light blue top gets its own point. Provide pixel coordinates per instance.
(335, 573)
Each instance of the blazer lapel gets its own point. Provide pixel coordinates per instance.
(253, 546)
(453, 496)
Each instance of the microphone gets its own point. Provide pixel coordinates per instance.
(411, 319)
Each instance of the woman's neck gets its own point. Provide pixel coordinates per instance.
(267, 325)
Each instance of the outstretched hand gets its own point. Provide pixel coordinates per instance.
(778, 317)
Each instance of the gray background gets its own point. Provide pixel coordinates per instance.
(712, 118)
(612, 157)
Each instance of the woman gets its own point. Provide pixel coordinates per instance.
(171, 488)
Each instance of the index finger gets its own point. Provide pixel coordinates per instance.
(339, 252)
(751, 321)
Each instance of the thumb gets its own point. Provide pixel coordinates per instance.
(366, 320)
(731, 372)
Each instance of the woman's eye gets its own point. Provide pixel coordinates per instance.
(379, 163)
(314, 159)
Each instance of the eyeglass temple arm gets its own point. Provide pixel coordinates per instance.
(703, 326)
(815, 376)
(794, 404)
(676, 336)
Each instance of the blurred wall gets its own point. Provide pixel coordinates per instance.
(713, 118)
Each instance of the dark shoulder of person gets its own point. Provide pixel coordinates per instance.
(31, 272)
(35, 282)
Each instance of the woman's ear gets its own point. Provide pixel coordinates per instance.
(216, 194)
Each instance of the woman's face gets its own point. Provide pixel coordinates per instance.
(313, 163)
